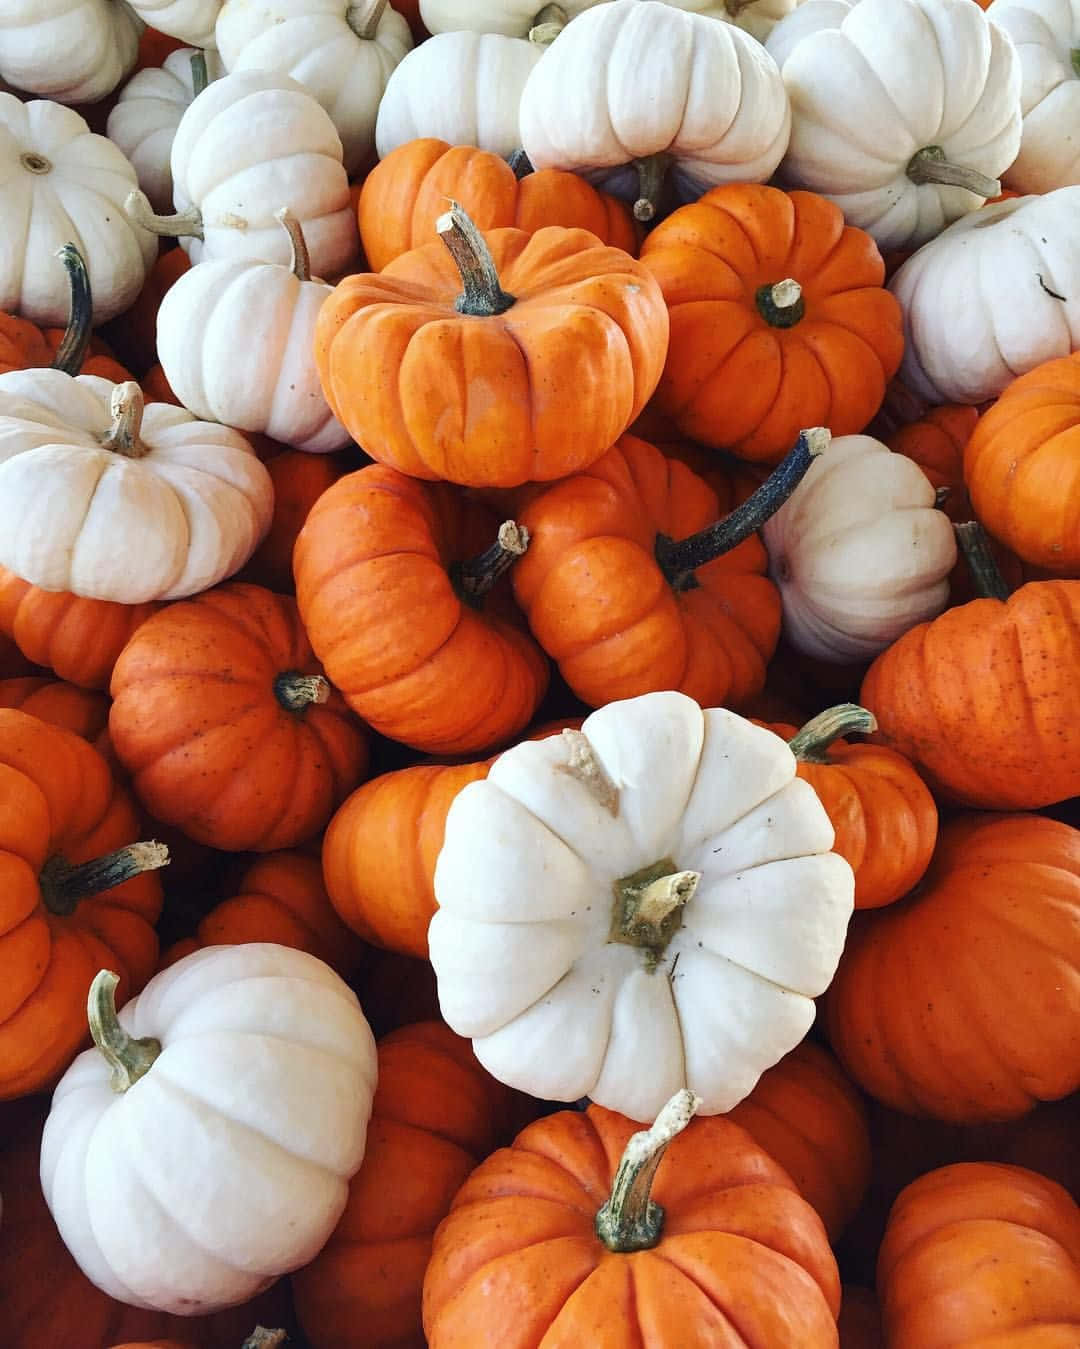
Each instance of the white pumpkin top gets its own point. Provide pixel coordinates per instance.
(59, 184)
(756, 17)
(73, 51)
(524, 941)
(76, 515)
(227, 1163)
(511, 18)
(192, 21)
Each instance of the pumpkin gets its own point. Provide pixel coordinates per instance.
(190, 497)
(903, 112)
(558, 1238)
(511, 18)
(72, 52)
(715, 109)
(277, 1155)
(343, 53)
(435, 1116)
(227, 726)
(756, 17)
(135, 331)
(779, 319)
(404, 195)
(976, 1254)
(935, 441)
(78, 710)
(192, 21)
(961, 1004)
(77, 888)
(299, 480)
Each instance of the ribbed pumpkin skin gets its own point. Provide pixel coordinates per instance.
(732, 379)
(299, 480)
(936, 443)
(981, 1256)
(963, 1002)
(600, 606)
(22, 344)
(986, 700)
(82, 711)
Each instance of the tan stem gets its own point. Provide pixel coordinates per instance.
(300, 261)
(584, 766)
(811, 744)
(659, 900)
(364, 18)
(126, 407)
(261, 1338)
(182, 224)
(929, 165)
(547, 24)
(781, 304)
(129, 1058)
(64, 883)
(648, 907)
(481, 294)
(295, 691)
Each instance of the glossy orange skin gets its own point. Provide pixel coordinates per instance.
(963, 1003)
(82, 711)
(373, 585)
(936, 443)
(58, 798)
(436, 1114)
(809, 1117)
(210, 749)
(985, 700)
(743, 1260)
(600, 606)
(734, 381)
(529, 395)
(981, 1256)
(406, 192)
(299, 480)
(1022, 466)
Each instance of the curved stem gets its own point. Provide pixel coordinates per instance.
(364, 18)
(781, 304)
(138, 210)
(477, 576)
(129, 1058)
(300, 261)
(648, 907)
(64, 883)
(929, 165)
(986, 578)
(126, 407)
(679, 561)
(71, 352)
(200, 76)
(520, 164)
(295, 691)
(547, 24)
(583, 765)
(481, 295)
(630, 1220)
(811, 744)
(651, 173)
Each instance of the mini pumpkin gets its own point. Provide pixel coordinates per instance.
(75, 53)
(935, 441)
(299, 481)
(59, 703)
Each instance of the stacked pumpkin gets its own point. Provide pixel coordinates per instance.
(437, 598)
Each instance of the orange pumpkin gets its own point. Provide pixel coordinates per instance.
(393, 609)
(74, 896)
(963, 1002)
(135, 331)
(779, 319)
(406, 193)
(977, 1255)
(53, 700)
(299, 480)
(936, 443)
(227, 725)
(493, 360)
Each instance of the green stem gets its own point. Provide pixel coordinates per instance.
(64, 883)
(652, 174)
(126, 406)
(138, 210)
(648, 907)
(200, 76)
(295, 691)
(781, 304)
(128, 1058)
(520, 164)
(929, 165)
(475, 578)
(986, 578)
(481, 294)
(71, 353)
(811, 744)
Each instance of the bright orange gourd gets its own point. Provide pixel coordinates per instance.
(299, 480)
(936, 443)
(61, 704)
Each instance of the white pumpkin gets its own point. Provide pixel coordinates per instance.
(511, 18)
(644, 905)
(638, 83)
(756, 17)
(1046, 34)
(859, 552)
(343, 53)
(72, 51)
(463, 88)
(904, 112)
(253, 142)
(62, 184)
(217, 1155)
(143, 123)
(236, 341)
(192, 21)
(992, 297)
(112, 501)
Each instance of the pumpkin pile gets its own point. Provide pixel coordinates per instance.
(539, 674)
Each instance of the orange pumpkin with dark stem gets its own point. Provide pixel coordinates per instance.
(396, 582)
(978, 1255)
(406, 193)
(963, 1002)
(779, 319)
(227, 725)
(299, 480)
(493, 360)
(75, 896)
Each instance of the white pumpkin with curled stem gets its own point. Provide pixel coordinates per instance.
(205, 1145)
(646, 904)
(85, 467)
(73, 51)
(268, 312)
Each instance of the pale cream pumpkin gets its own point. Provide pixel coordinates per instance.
(72, 51)
(192, 21)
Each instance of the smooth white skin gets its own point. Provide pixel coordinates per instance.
(192, 21)
(76, 517)
(511, 18)
(524, 883)
(311, 40)
(715, 101)
(1045, 34)
(78, 201)
(227, 1164)
(756, 17)
(236, 341)
(72, 51)
(871, 87)
(992, 297)
(858, 552)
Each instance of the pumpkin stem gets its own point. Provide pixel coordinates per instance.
(35, 163)
(261, 1338)
(811, 744)
(520, 164)
(200, 76)
(364, 18)
(71, 352)
(630, 1220)
(481, 296)
(648, 907)
(781, 304)
(547, 24)
(64, 883)
(679, 560)
(987, 579)
(651, 174)
(126, 407)
(128, 1058)
(1074, 59)
(929, 165)
(941, 496)
(138, 210)
(300, 262)
(473, 579)
(735, 7)
(583, 766)
(295, 691)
